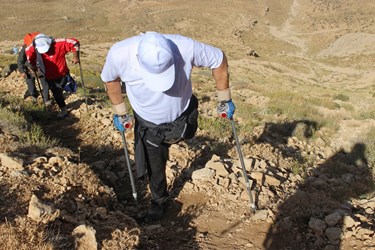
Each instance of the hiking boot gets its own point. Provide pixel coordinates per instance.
(48, 105)
(63, 113)
(156, 211)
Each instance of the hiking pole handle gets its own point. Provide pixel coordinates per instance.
(223, 115)
(247, 182)
(129, 167)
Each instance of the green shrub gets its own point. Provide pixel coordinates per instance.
(35, 137)
(15, 122)
(366, 114)
(341, 97)
(12, 122)
(348, 107)
(7, 59)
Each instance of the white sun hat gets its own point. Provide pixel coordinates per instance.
(156, 62)
(42, 43)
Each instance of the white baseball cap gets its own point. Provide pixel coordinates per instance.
(156, 62)
(42, 43)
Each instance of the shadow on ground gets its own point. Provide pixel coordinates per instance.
(327, 189)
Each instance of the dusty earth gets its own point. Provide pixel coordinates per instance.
(312, 47)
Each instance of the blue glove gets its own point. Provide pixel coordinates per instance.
(226, 109)
(123, 122)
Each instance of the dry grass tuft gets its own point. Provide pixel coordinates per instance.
(122, 239)
(22, 234)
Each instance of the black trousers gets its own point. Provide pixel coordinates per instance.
(57, 87)
(157, 158)
(152, 149)
(42, 85)
(30, 81)
(45, 90)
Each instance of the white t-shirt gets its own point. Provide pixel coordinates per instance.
(159, 107)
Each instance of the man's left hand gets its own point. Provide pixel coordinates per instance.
(123, 122)
(225, 109)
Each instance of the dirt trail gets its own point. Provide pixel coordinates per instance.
(288, 33)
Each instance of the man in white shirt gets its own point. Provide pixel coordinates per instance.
(156, 69)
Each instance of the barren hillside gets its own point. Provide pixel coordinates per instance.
(303, 82)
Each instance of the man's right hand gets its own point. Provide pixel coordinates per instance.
(123, 122)
(23, 74)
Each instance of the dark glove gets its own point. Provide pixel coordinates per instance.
(123, 122)
(226, 109)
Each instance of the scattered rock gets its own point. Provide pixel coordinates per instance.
(318, 226)
(333, 234)
(203, 174)
(41, 212)
(84, 238)
(332, 219)
(12, 163)
(260, 215)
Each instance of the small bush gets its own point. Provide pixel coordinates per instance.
(35, 137)
(366, 114)
(12, 122)
(22, 235)
(341, 97)
(30, 134)
(126, 239)
(7, 59)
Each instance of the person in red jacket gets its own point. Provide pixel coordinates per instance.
(47, 54)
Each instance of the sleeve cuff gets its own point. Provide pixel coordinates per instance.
(119, 109)
(224, 95)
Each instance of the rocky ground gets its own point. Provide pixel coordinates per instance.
(84, 185)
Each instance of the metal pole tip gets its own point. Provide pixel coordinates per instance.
(253, 208)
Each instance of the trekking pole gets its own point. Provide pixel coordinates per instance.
(83, 84)
(40, 89)
(248, 188)
(129, 168)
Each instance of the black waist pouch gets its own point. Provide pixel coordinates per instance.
(184, 127)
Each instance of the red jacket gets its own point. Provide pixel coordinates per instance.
(54, 59)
